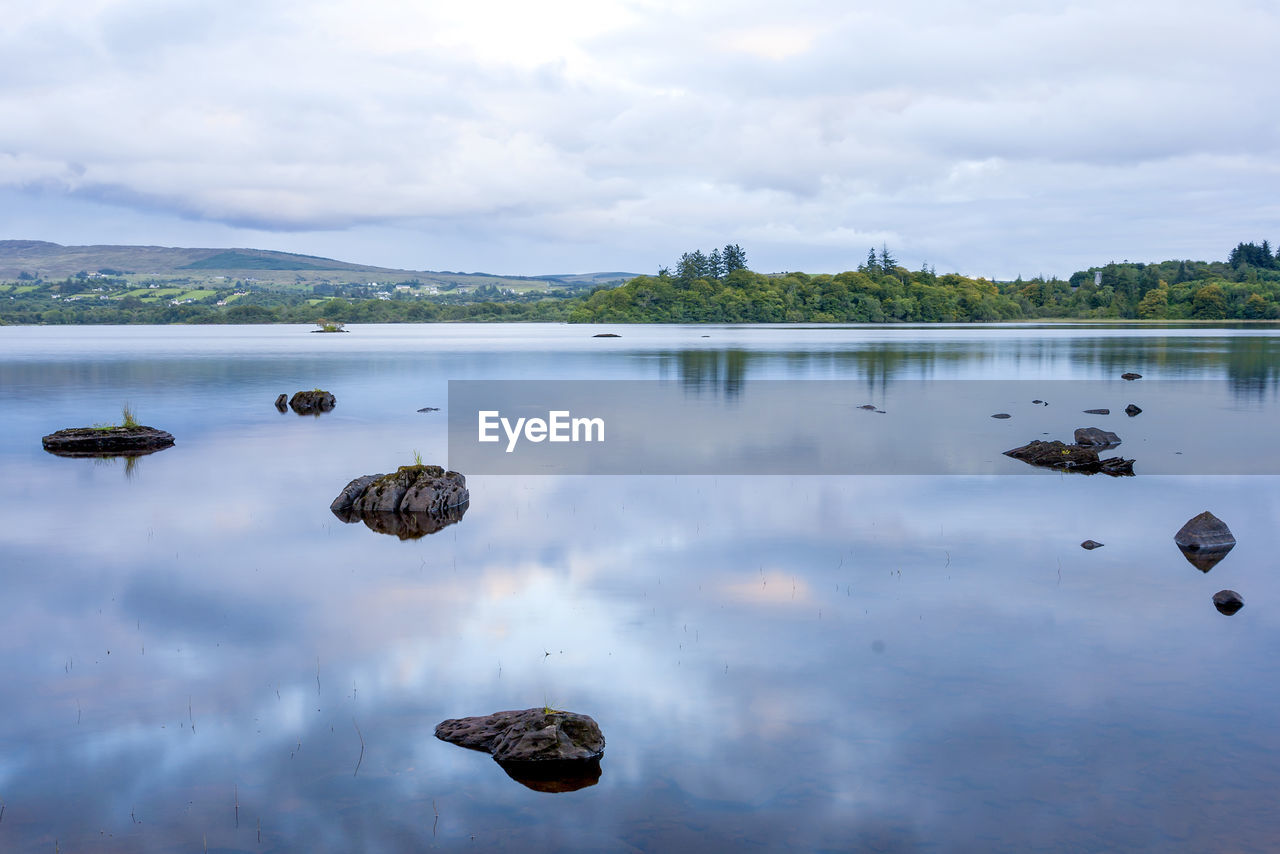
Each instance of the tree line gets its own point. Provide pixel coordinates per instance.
(718, 287)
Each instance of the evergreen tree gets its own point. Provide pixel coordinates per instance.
(887, 261)
(872, 264)
(715, 264)
(733, 258)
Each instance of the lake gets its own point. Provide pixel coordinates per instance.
(198, 654)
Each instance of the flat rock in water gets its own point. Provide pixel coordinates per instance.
(1002, 415)
(1096, 437)
(1091, 545)
(411, 502)
(312, 402)
(1097, 412)
(1132, 410)
(429, 409)
(1131, 376)
(1228, 601)
(1064, 457)
(528, 735)
(106, 441)
(606, 335)
(868, 406)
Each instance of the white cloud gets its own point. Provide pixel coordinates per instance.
(616, 134)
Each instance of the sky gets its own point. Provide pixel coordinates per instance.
(993, 138)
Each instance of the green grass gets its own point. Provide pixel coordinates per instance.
(127, 416)
(417, 458)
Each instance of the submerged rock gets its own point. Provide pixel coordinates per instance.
(106, 441)
(1096, 437)
(1091, 545)
(1131, 376)
(411, 502)
(1132, 410)
(868, 406)
(606, 335)
(429, 409)
(315, 401)
(1228, 601)
(1077, 458)
(1002, 415)
(1097, 412)
(528, 735)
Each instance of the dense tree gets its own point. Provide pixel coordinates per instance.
(734, 258)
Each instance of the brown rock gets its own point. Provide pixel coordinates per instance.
(560, 750)
(1097, 412)
(1204, 541)
(1091, 545)
(1096, 437)
(1132, 410)
(282, 402)
(1131, 376)
(106, 441)
(1077, 458)
(312, 402)
(1228, 601)
(411, 502)
(1205, 531)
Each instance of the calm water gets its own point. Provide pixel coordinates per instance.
(194, 648)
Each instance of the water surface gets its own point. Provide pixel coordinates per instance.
(195, 648)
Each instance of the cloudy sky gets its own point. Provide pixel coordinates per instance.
(992, 137)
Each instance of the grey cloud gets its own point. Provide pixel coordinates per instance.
(805, 126)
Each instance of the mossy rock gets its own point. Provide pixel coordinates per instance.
(106, 441)
(410, 502)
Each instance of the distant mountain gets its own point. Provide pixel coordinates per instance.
(53, 261)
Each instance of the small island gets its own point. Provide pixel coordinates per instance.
(129, 438)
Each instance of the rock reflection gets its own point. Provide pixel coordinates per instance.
(554, 777)
(1205, 559)
(406, 526)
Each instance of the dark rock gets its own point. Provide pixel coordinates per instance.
(1132, 410)
(868, 406)
(312, 402)
(282, 402)
(1037, 401)
(1002, 415)
(1131, 376)
(1204, 541)
(528, 740)
(1091, 545)
(1097, 412)
(1116, 467)
(554, 777)
(106, 441)
(1077, 458)
(1205, 531)
(411, 502)
(1096, 437)
(1228, 601)
(429, 409)
(606, 335)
